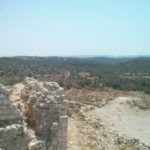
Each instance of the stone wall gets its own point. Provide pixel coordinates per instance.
(11, 128)
(43, 111)
(13, 138)
(59, 139)
(8, 112)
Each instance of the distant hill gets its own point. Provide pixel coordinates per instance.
(114, 59)
(121, 73)
(108, 59)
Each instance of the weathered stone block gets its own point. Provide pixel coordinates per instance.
(37, 145)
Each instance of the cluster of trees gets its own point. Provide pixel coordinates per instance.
(122, 74)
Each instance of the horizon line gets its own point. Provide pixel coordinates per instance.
(78, 56)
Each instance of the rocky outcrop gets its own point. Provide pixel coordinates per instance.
(43, 111)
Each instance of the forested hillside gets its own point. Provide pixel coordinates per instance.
(118, 73)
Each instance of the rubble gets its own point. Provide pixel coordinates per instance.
(98, 136)
(142, 103)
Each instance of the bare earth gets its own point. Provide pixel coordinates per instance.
(125, 119)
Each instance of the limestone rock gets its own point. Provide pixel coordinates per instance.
(44, 104)
(12, 137)
(98, 136)
(43, 111)
(9, 114)
(37, 145)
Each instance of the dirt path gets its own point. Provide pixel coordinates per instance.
(128, 120)
(67, 76)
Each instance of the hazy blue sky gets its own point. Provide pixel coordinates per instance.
(74, 27)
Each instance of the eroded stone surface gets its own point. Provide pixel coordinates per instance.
(9, 114)
(13, 138)
(44, 117)
(44, 103)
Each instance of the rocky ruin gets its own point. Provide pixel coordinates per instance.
(33, 117)
(43, 111)
(8, 113)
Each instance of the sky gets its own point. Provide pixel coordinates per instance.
(74, 27)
